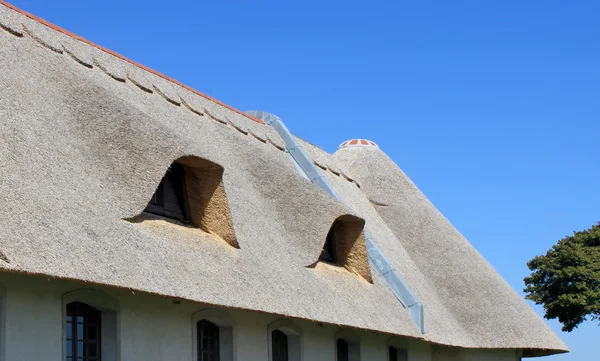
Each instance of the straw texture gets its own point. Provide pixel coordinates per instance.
(86, 139)
(466, 302)
(83, 149)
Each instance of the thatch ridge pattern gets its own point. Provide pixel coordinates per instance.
(13, 26)
(466, 302)
(125, 70)
(82, 152)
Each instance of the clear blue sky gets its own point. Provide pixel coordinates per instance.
(490, 107)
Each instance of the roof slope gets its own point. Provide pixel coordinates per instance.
(87, 136)
(84, 148)
(466, 301)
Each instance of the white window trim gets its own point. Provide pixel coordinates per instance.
(353, 341)
(109, 308)
(294, 334)
(227, 333)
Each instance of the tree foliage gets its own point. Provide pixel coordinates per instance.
(566, 281)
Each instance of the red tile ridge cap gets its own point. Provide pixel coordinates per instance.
(75, 36)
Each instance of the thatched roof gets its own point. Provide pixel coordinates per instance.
(86, 138)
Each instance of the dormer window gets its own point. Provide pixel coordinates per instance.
(345, 246)
(328, 253)
(192, 193)
(170, 198)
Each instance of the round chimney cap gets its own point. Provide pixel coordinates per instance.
(358, 143)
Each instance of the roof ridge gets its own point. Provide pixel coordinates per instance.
(108, 51)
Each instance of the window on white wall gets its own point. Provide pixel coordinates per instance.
(207, 341)
(347, 346)
(398, 354)
(342, 350)
(90, 326)
(279, 346)
(214, 334)
(83, 339)
(285, 341)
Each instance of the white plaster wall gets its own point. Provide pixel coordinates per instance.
(153, 328)
(252, 337)
(373, 347)
(33, 324)
(153, 331)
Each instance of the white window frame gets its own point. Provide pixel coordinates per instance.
(227, 333)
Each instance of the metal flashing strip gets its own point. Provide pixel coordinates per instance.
(400, 289)
(308, 170)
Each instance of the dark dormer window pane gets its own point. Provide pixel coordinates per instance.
(342, 350)
(170, 198)
(280, 346)
(328, 253)
(208, 341)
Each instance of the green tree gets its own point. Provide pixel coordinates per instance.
(566, 281)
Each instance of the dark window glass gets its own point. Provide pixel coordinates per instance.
(328, 253)
(280, 346)
(393, 354)
(208, 341)
(83, 333)
(398, 354)
(170, 198)
(342, 350)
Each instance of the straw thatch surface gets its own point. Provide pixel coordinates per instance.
(440, 266)
(82, 151)
(86, 138)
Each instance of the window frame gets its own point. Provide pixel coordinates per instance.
(392, 351)
(279, 345)
(342, 345)
(328, 253)
(294, 339)
(75, 310)
(352, 341)
(400, 352)
(109, 319)
(227, 332)
(400, 346)
(200, 336)
(177, 177)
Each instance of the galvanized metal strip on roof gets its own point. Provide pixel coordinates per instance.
(308, 169)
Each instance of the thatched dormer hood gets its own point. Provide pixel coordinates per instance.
(86, 137)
